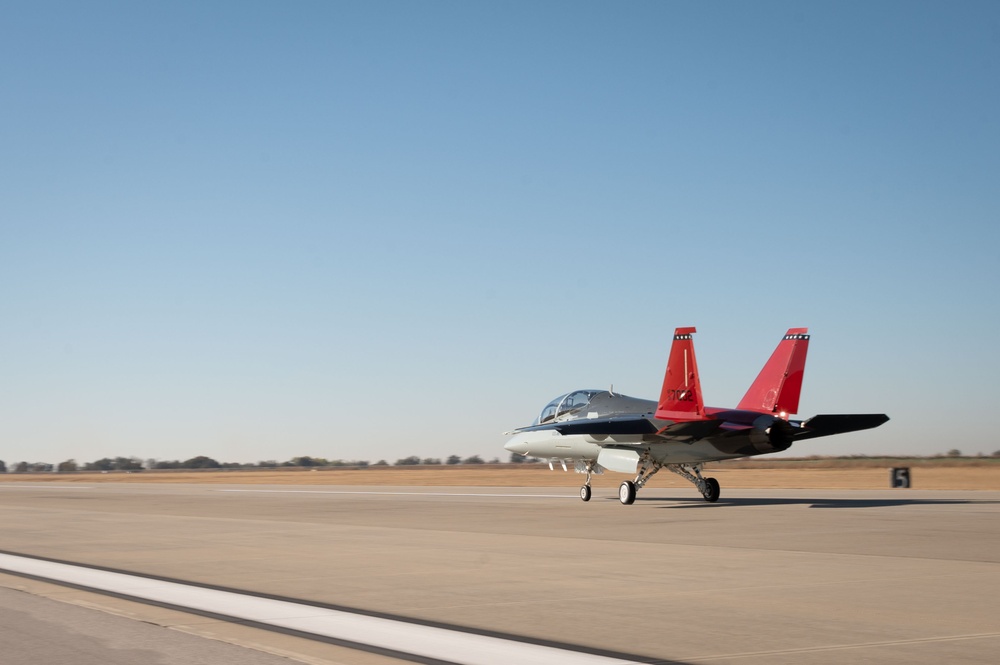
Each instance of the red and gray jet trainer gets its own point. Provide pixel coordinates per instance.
(599, 429)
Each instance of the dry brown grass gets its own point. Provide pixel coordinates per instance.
(931, 477)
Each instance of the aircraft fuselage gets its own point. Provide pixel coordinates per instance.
(580, 447)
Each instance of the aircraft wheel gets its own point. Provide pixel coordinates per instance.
(585, 492)
(626, 493)
(712, 490)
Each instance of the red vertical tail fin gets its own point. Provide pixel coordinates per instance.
(777, 387)
(680, 398)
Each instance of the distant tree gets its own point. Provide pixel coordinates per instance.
(454, 459)
(128, 464)
(22, 467)
(516, 458)
(495, 460)
(954, 452)
(149, 463)
(3, 466)
(69, 466)
(361, 463)
(381, 462)
(308, 461)
(996, 453)
(475, 459)
(268, 464)
(408, 461)
(103, 464)
(431, 460)
(167, 464)
(41, 467)
(200, 462)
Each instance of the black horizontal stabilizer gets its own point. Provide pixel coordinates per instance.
(827, 424)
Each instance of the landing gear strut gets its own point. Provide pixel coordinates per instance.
(709, 487)
(628, 489)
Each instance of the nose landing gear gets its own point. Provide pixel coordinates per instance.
(590, 468)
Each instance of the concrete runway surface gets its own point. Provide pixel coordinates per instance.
(42, 631)
(763, 576)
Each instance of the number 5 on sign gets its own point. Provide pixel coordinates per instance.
(899, 477)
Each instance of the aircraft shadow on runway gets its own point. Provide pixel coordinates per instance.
(697, 502)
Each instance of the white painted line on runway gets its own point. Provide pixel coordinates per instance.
(503, 496)
(412, 639)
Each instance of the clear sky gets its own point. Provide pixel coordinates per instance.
(366, 230)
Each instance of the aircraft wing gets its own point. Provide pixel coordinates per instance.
(631, 425)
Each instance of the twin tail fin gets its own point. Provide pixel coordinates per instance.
(777, 387)
(680, 397)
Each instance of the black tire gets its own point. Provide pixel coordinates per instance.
(712, 490)
(585, 492)
(626, 493)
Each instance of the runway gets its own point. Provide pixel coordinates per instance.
(763, 576)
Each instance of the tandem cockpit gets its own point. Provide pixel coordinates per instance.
(571, 404)
(591, 404)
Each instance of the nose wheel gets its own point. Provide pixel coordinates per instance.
(590, 467)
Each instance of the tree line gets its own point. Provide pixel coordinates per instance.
(135, 464)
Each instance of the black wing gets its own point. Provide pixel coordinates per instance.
(632, 425)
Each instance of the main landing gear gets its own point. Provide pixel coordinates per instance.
(712, 490)
(626, 493)
(709, 487)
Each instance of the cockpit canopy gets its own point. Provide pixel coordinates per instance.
(565, 405)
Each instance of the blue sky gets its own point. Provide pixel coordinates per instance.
(256, 230)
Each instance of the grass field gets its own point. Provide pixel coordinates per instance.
(734, 476)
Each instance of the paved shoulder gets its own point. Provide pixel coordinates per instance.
(41, 631)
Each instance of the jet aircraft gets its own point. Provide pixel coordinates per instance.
(600, 429)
